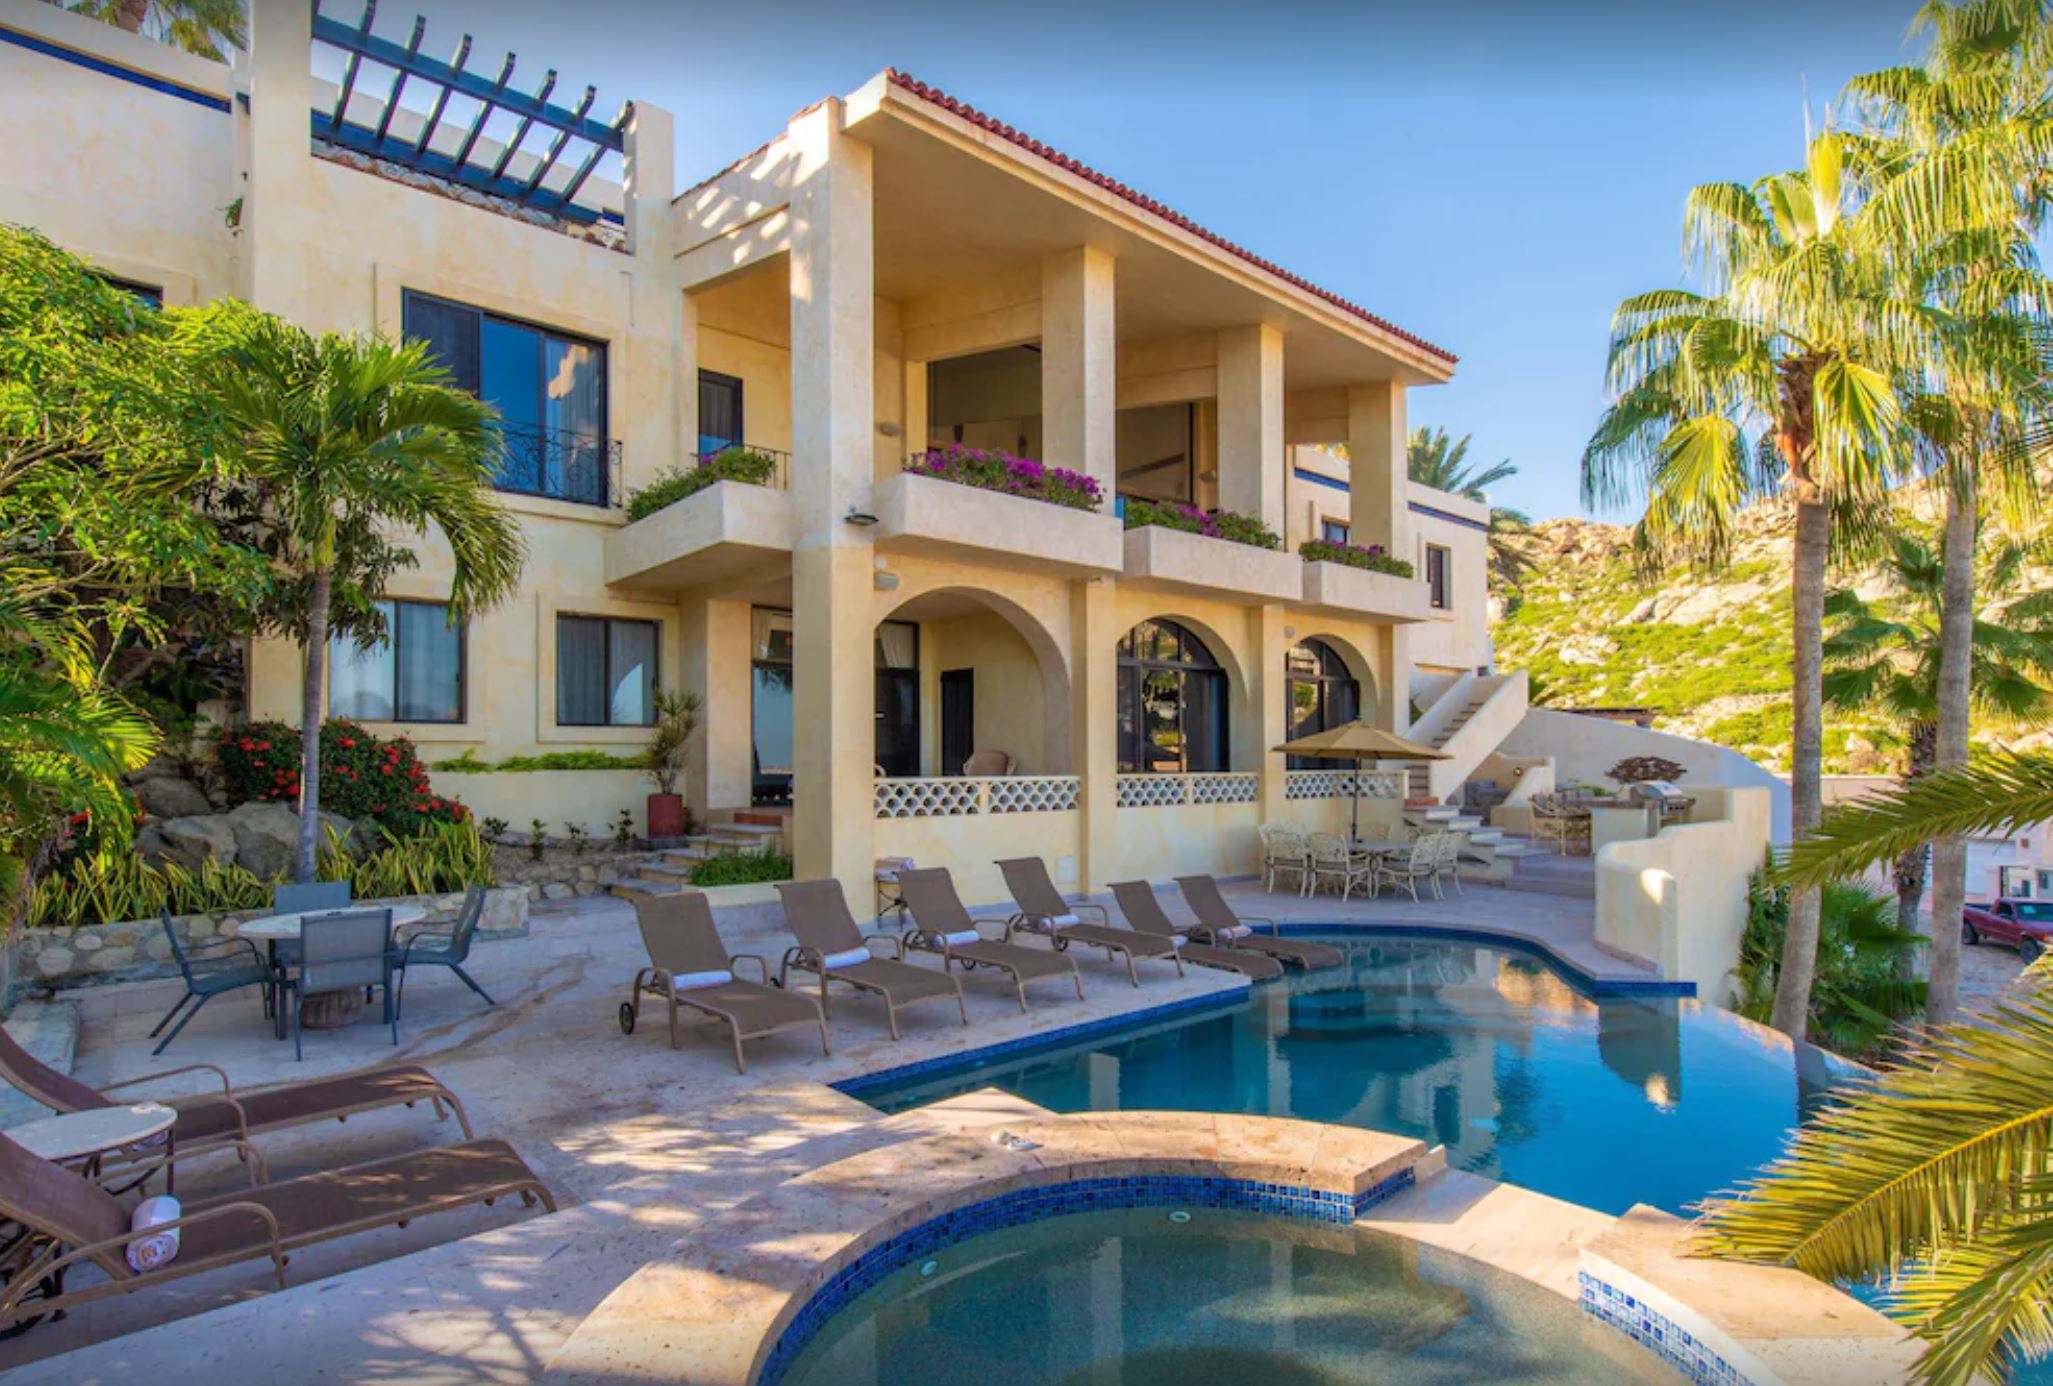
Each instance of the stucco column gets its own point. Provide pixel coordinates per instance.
(916, 407)
(649, 425)
(833, 401)
(1079, 388)
(715, 640)
(278, 197)
(1251, 461)
(1270, 718)
(1377, 505)
(1393, 681)
(1093, 730)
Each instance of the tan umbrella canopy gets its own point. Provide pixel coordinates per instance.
(1358, 741)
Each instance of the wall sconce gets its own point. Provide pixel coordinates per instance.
(1290, 632)
(889, 429)
(861, 519)
(886, 582)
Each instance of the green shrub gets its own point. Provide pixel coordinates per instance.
(1375, 557)
(728, 464)
(469, 764)
(362, 774)
(742, 868)
(1860, 993)
(442, 858)
(1218, 524)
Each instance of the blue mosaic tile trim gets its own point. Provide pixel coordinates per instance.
(1657, 1333)
(1059, 1200)
(974, 1059)
(1596, 988)
(114, 70)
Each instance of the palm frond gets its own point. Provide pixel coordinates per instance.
(1998, 794)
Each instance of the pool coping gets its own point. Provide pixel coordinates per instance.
(970, 1060)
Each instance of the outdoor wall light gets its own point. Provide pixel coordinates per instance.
(889, 429)
(862, 519)
(887, 582)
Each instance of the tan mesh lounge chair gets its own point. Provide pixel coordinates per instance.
(222, 1120)
(818, 914)
(1217, 923)
(1042, 910)
(71, 1223)
(1142, 910)
(686, 964)
(942, 925)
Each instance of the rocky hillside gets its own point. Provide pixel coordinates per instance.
(1708, 651)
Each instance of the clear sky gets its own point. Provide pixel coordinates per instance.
(1494, 175)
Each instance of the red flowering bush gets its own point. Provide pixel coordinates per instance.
(362, 775)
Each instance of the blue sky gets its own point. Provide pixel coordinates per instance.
(1493, 175)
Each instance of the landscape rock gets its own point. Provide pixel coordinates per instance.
(166, 797)
(190, 841)
(266, 837)
(150, 844)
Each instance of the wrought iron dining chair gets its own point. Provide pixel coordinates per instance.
(433, 947)
(211, 969)
(1334, 861)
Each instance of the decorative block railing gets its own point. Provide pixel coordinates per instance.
(1340, 784)
(1168, 791)
(962, 796)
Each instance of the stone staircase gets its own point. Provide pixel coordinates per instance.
(745, 830)
(1487, 853)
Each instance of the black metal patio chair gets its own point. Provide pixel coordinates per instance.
(439, 945)
(211, 969)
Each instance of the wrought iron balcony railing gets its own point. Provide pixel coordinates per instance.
(560, 465)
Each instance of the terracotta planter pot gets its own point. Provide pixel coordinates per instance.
(666, 815)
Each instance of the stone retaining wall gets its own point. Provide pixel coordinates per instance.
(58, 959)
(559, 878)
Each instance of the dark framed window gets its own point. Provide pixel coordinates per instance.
(770, 706)
(1172, 702)
(549, 388)
(415, 675)
(1438, 583)
(898, 697)
(722, 424)
(606, 672)
(1321, 694)
(149, 295)
(1333, 531)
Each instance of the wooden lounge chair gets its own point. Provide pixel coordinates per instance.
(68, 1222)
(1142, 910)
(234, 1115)
(1042, 910)
(690, 967)
(1217, 923)
(942, 925)
(828, 942)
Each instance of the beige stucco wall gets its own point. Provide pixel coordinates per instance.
(1010, 701)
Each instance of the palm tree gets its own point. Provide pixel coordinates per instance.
(206, 27)
(1931, 1179)
(1888, 661)
(1432, 461)
(344, 437)
(2001, 792)
(1798, 337)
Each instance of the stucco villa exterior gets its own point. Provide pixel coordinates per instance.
(892, 271)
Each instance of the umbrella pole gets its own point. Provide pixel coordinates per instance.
(1354, 817)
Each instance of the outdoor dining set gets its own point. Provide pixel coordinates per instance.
(321, 959)
(1311, 862)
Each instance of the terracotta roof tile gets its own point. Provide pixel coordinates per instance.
(1118, 189)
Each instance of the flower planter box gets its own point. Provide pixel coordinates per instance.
(1179, 558)
(1352, 591)
(725, 529)
(926, 514)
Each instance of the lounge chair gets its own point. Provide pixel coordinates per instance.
(1042, 910)
(689, 966)
(831, 946)
(211, 1121)
(1142, 910)
(73, 1222)
(1217, 923)
(941, 925)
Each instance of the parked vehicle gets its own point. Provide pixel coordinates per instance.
(2028, 924)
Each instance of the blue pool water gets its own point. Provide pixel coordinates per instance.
(1225, 1299)
(1480, 1048)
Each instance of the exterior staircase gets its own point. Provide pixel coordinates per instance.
(740, 830)
(1487, 854)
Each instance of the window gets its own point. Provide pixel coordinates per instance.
(550, 390)
(1321, 694)
(720, 417)
(148, 295)
(1437, 560)
(415, 675)
(605, 672)
(770, 710)
(1333, 531)
(1172, 702)
(898, 697)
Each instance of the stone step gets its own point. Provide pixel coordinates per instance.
(686, 856)
(649, 885)
(661, 868)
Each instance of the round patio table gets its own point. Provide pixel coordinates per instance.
(321, 1010)
(86, 1136)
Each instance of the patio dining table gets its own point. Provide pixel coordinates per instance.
(324, 1010)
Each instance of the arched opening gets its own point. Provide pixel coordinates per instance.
(969, 683)
(1320, 692)
(1173, 699)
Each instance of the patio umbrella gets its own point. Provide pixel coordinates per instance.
(1358, 742)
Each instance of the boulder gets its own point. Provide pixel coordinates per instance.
(266, 837)
(190, 841)
(166, 797)
(150, 844)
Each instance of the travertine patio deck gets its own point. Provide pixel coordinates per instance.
(640, 1143)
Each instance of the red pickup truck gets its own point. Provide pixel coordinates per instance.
(2028, 924)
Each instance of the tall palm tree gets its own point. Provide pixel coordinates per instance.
(343, 438)
(1797, 338)
(2001, 792)
(1887, 660)
(208, 28)
(1431, 460)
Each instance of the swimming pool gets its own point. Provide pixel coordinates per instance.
(1479, 1047)
(1230, 1298)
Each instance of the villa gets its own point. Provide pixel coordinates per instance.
(1035, 517)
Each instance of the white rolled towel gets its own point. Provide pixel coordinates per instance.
(1237, 931)
(694, 981)
(847, 957)
(155, 1251)
(960, 937)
